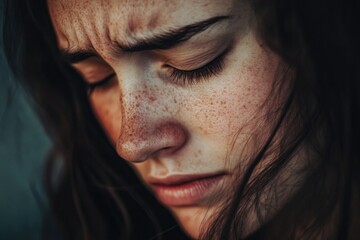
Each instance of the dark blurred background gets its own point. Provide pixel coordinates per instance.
(23, 148)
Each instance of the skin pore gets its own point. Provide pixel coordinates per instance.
(172, 108)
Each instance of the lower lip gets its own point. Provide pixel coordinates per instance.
(188, 193)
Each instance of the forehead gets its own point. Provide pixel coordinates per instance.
(93, 22)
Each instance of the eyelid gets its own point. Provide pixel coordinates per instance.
(204, 72)
(189, 60)
(93, 69)
(100, 83)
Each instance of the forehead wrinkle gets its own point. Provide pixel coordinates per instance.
(68, 30)
(99, 25)
(94, 27)
(137, 17)
(95, 35)
(112, 22)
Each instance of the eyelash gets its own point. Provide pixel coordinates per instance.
(179, 77)
(99, 84)
(188, 77)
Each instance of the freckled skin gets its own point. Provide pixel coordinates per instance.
(159, 127)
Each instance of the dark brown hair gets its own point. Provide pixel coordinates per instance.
(318, 40)
(97, 196)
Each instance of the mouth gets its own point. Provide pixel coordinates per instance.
(183, 190)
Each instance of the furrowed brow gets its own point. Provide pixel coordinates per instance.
(171, 38)
(164, 40)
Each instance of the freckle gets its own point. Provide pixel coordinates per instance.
(175, 100)
(152, 98)
(131, 26)
(153, 21)
(204, 130)
(137, 105)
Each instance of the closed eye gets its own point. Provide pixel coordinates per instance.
(100, 84)
(188, 77)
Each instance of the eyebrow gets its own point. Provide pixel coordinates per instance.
(163, 40)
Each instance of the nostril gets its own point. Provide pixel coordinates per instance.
(163, 139)
(166, 148)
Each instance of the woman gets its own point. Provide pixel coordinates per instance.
(239, 117)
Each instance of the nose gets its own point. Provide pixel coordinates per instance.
(140, 141)
(147, 129)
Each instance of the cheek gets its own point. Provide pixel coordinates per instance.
(250, 102)
(249, 92)
(235, 101)
(107, 108)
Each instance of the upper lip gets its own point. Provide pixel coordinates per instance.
(181, 179)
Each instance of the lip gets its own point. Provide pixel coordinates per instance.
(183, 190)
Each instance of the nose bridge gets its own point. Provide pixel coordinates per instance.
(138, 95)
(146, 128)
(138, 114)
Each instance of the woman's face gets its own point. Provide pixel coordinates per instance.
(178, 88)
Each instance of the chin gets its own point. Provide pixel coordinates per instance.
(191, 230)
(193, 220)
